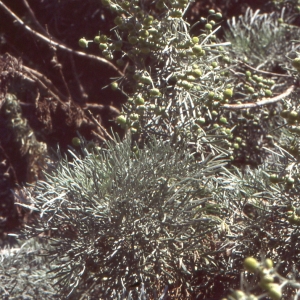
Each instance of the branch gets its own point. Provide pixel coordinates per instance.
(101, 107)
(58, 44)
(100, 127)
(262, 102)
(45, 83)
(265, 72)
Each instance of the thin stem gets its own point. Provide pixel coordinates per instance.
(262, 102)
(59, 45)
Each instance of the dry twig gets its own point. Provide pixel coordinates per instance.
(100, 127)
(262, 102)
(265, 72)
(59, 45)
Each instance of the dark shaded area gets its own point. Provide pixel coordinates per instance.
(33, 71)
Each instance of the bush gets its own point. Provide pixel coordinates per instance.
(117, 217)
(206, 176)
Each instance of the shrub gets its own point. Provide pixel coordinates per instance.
(155, 215)
(116, 217)
(169, 73)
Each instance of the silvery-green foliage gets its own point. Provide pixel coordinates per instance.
(261, 39)
(115, 218)
(260, 43)
(264, 214)
(170, 73)
(23, 272)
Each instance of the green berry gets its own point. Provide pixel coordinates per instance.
(103, 38)
(173, 80)
(118, 20)
(226, 59)
(133, 130)
(132, 39)
(293, 115)
(121, 120)
(274, 178)
(195, 40)
(290, 180)
(76, 141)
(148, 20)
(211, 95)
(208, 26)
(125, 4)
(103, 46)
(214, 64)
(268, 93)
(257, 78)
(105, 52)
(83, 43)
(154, 92)
(105, 2)
(139, 100)
(134, 117)
(250, 89)
(248, 74)
(251, 264)
(265, 281)
(274, 291)
(186, 85)
(196, 73)
(144, 33)
(228, 93)
(268, 263)
(284, 113)
(97, 39)
(146, 80)
(200, 121)
(109, 56)
(197, 49)
(223, 120)
(114, 85)
(190, 78)
(218, 16)
(296, 63)
(195, 127)
(175, 14)
(238, 295)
